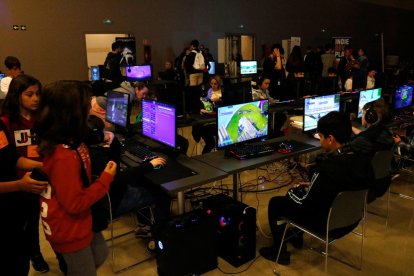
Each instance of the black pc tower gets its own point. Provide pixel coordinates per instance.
(186, 245)
(236, 228)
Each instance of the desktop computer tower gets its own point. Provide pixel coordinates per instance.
(186, 245)
(236, 228)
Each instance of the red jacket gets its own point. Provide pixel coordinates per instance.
(65, 212)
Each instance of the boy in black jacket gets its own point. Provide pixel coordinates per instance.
(340, 169)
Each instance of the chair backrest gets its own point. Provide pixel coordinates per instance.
(347, 209)
(381, 163)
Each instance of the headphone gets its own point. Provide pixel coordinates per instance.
(371, 116)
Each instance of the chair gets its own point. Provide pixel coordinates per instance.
(404, 163)
(381, 164)
(113, 237)
(347, 210)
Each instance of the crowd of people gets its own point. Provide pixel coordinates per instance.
(61, 129)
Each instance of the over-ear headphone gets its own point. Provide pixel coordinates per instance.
(371, 116)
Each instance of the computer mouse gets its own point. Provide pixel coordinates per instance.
(284, 147)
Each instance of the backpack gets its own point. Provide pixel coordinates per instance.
(199, 63)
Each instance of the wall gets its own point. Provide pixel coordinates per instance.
(53, 46)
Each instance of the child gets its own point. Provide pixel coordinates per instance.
(66, 208)
(19, 109)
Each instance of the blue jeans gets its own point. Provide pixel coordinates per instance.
(135, 197)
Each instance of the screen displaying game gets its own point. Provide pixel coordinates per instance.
(138, 73)
(367, 96)
(242, 122)
(117, 108)
(403, 96)
(317, 107)
(158, 122)
(248, 67)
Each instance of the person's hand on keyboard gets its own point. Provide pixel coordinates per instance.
(158, 162)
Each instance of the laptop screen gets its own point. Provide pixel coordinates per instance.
(317, 107)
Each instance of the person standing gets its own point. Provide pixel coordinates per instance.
(112, 63)
(66, 209)
(273, 69)
(19, 110)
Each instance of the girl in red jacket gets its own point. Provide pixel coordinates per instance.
(66, 209)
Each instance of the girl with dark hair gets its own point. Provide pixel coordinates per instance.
(66, 208)
(18, 112)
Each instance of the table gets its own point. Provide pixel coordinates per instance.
(233, 166)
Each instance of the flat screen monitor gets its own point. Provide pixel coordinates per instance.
(118, 108)
(138, 73)
(317, 107)
(248, 67)
(242, 122)
(403, 96)
(159, 122)
(366, 96)
(212, 70)
(95, 75)
(2, 75)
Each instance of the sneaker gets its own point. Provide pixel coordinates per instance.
(295, 237)
(143, 232)
(270, 253)
(39, 264)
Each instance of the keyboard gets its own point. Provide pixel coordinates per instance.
(250, 151)
(139, 153)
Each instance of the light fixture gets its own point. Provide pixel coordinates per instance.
(107, 21)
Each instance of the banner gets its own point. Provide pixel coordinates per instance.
(128, 50)
(340, 44)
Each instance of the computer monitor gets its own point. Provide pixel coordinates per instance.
(2, 75)
(118, 108)
(242, 122)
(212, 70)
(159, 122)
(366, 96)
(403, 96)
(95, 75)
(248, 67)
(317, 107)
(138, 73)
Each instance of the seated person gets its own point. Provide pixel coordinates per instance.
(405, 144)
(209, 103)
(348, 82)
(260, 91)
(370, 80)
(339, 169)
(169, 73)
(376, 135)
(128, 191)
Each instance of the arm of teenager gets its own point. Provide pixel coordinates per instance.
(66, 181)
(133, 174)
(25, 184)
(27, 164)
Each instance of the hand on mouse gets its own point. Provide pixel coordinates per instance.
(159, 161)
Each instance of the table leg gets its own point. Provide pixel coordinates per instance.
(181, 203)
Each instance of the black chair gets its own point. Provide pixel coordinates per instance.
(347, 210)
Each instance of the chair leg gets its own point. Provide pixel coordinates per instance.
(280, 246)
(326, 252)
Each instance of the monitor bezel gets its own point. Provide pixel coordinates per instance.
(128, 123)
(359, 115)
(248, 74)
(246, 141)
(304, 107)
(131, 79)
(395, 97)
(175, 123)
